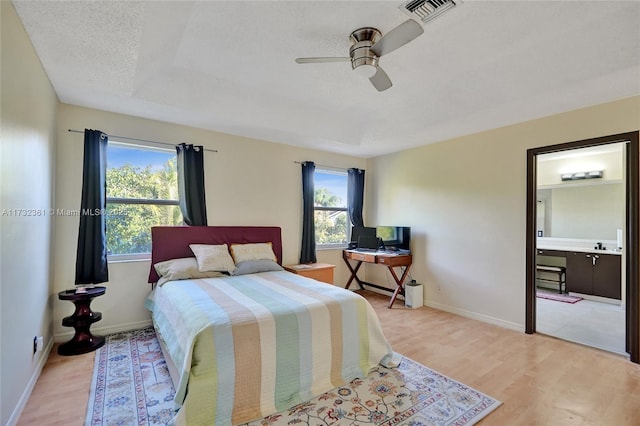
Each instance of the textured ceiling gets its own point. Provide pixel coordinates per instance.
(229, 66)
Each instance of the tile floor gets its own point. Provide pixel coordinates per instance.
(597, 324)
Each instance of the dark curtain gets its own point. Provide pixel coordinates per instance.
(91, 257)
(355, 196)
(191, 184)
(308, 249)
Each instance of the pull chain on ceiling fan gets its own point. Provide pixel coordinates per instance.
(368, 46)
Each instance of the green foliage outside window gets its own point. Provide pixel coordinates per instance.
(331, 225)
(129, 224)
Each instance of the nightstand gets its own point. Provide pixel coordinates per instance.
(83, 341)
(318, 271)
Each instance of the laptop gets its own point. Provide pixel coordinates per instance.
(368, 243)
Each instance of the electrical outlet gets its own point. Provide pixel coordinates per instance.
(38, 344)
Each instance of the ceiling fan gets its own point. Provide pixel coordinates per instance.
(367, 48)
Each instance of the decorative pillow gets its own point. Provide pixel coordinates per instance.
(181, 269)
(254, 266)
(213, 257)
(253, 251)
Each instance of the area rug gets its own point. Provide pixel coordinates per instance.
(131, 383)
(558, 297)
(131, 386)
(410, 395)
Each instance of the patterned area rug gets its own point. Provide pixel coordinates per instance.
(131, 386)
(131, 383)
(411, 395)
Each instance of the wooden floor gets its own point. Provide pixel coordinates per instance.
(539, 379)
(62, 391)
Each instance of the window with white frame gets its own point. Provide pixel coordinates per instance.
(330, 208)
(142, 191)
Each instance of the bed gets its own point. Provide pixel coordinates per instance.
(247, 344)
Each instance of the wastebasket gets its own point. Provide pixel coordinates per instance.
(413, 295)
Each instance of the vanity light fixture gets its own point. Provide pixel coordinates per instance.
(596, 174)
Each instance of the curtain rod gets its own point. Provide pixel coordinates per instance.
(141, 140)
(326, 167)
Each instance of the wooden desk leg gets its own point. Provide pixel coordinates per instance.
(354, 274)
(399, 285)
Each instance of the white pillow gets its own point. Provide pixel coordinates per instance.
(254, 266)
(253, 251)
(181, 269)
(213, 257)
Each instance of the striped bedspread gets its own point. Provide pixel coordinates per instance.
(251, 345)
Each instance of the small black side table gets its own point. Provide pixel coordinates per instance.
(83, 341)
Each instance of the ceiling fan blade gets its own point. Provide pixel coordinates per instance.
(397, 37)
(380, 80)
(320, 60)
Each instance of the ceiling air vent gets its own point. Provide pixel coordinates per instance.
(426, 10)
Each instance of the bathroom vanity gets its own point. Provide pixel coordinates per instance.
(588, 271)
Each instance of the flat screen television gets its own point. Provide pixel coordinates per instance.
(395, 237)
(361, 231)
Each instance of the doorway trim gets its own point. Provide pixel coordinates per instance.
(632, 225)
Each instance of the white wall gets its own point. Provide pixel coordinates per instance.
(248, 182)
(465, 200)
(27, 170)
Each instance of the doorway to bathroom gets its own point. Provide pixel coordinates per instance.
(572, 251)
(579, 229)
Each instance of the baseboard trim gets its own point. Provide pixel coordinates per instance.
(22, 402)
(383, 292)
(462, 312)
(63, 337)
(476, 316)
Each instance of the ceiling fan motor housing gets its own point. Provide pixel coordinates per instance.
(363, 39)
(368, 45)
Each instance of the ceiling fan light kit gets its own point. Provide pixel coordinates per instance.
(360, 51)
(368, 46)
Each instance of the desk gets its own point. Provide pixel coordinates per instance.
(390, 260)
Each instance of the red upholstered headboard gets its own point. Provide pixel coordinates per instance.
(172, 242)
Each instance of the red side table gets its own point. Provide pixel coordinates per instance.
(83, 341)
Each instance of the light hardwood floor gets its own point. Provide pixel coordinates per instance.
(539, 379)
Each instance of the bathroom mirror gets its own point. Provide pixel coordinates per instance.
(581, 208)
(583, 212)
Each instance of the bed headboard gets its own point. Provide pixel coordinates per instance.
(172, 242)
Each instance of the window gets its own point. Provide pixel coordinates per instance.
(142, 191)
(330, 208)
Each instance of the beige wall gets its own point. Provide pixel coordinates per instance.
(248, 182)
(27, 170)
(465, 201)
